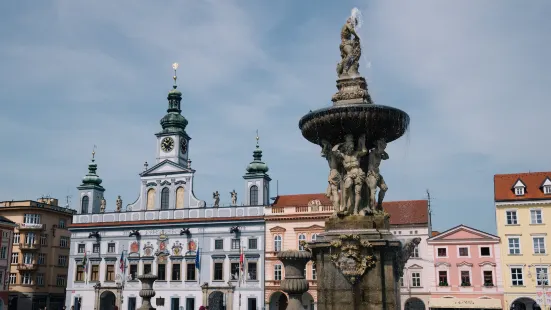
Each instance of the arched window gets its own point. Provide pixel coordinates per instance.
(150, 199)
(277, 243)
(84, 206)
(253, 201)
(164, 199)
(314, 237)
(301, 238)
(180, 198)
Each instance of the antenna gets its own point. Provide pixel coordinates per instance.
(277, 187)
(67, 199)
(429, 210)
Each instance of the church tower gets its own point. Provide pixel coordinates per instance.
(257, 180)
(90, 191)
(172, 140)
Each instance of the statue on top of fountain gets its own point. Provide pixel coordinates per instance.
(351, 50)
(354, 170)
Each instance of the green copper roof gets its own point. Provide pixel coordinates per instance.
(173, 121)
(91, 179)
(257, 166)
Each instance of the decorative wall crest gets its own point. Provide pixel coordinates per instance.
(162, 244)
(148, 249)
(134, 248)
(177, 248)
(191, 246)
(352, 256)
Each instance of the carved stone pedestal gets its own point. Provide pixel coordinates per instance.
(351, 90)
(294, 283)
(357, 264)
(147, 292)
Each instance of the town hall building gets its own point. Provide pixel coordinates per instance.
(202, 255)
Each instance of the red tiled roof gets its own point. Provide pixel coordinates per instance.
(401, 212)
(503, 186)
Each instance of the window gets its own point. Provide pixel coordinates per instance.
(516, 276)
(15, 258)
(16, 237)
(415, 253)
(442, 252)
(40, 279)
(511, 217)
(463, 252)
(416, 279)
(4, 253)
(31, 219)
(27, 278)
(28, 258)
(251, 303)
(251, 271)
(190, 303)
(13, 278)
(84, 205)
(62, 260)
(514, 246)
(253, 244)
(61, 223)
(133, 271)
(547, 189)
(519, 190)
(95, 248)
(301, 239)
(465, 278)
(81, 248)
(61, 280)
(164, 198)
(253, 195)
(235, 244)
(535, 217)
(111, 247)
(64, 242)
(219, 244)
(174, 303)
(146, 268)
(110, 273)
(29, 238)
(95, 273)
(42, 258)
(161, 272)
(218, 272)
(131, 303)
(542, 275)
(314, 237)
(314, 272)
(442, 278)
(80, 273)
(190, 272)
(234, 271)
(539, 245)
(43, 239)
(277, 272)
(485, 251)
(176, 271)
(277, 243)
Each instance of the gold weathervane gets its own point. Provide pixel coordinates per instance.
(257, 138)
(175, 67)
(94, 152)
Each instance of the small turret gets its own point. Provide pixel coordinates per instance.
(90, 191)
(257, 179)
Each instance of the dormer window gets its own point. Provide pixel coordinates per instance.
(519, 188)
(546, 187)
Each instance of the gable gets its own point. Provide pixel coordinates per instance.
(519, 184)
(166, 167)
(311, 228)
(547, 182)
(463, 232)
(277, 229)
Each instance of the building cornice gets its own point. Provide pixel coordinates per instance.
(527, 202)
(154, 223)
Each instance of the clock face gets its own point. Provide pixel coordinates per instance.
(183, 145)
(167, 144)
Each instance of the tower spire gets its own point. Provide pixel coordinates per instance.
(257, 138)
(91, 178)
(173, 121)
(175, 77)
(257, 166)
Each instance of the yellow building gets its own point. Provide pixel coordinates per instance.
(40, 253)
(523, 218)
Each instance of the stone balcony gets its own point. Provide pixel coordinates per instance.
(27, 226)
(291, 210)
(29, 246)
(27, 267)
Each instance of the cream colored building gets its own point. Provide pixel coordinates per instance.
(523, 215)
(40, 253)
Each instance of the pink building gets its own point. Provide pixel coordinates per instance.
(467, 271)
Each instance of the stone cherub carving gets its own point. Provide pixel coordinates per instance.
(119, 204)
(335, 178)
(102, 205)
(355, 176)
(374, 178)
(233, 197)
(216, 197)
(404, 254)
(351, 50)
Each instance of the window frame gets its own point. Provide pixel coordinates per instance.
(464, 247)
(533, 211)
(278, 243)
(514, 217)
(418, 278)
(179, 269)
(519, 190)
(480, 247)
(276, 271)
(442, 247)
(220, 271)
(219, 242)
(534, 237)
(517, 280)
(509, 248)
(188, 272)
(301, 237)
(446, 276)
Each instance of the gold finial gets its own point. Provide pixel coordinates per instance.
(175, 77)
(257, 138)
(94, 152)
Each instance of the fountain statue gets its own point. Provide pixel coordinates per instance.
(147, 292)
(359, 261)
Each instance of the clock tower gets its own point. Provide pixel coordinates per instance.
(173, 141)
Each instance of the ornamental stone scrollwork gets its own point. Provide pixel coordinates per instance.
(403, 254)
(180, 182)
(151, 184)
(353, 256)
(163, 183)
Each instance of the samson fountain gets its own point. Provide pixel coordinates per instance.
(358, 260)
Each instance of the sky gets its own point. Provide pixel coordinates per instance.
(473, 76)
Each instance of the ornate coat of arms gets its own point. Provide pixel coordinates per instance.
(352, 256)
(162, 243)
(148, 249)
(134, 247)
(177, 249)
(191, 246)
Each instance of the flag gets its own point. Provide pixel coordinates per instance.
(122, 265)
(198, 259)
(241, 267)
(85, 265)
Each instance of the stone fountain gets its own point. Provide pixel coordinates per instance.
(358, 260)
(147, 292)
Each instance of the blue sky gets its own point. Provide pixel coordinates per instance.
(473, 76)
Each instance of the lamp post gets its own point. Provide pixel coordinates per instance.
(541, 281)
